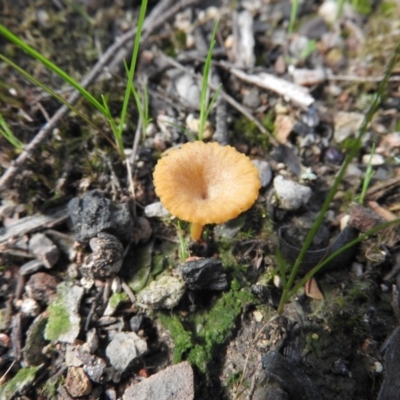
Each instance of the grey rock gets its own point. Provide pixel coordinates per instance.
(124, 348)
(291, 194)
(94, 213)
(165, 292)
(69, 298)
(156, 210)
(42, 287)
(264, 171)
(173, 383)
(77, 356)
(44, 249)
(205, 273)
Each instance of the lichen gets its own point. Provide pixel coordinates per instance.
(58, 322)
(24, 377)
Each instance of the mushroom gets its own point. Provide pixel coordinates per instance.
(206, 183)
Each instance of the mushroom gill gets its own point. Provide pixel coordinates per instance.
(206, 183)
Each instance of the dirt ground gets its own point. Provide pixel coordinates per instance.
(330, 340)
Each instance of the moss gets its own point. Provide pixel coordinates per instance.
(182, 338)
(248, 130)
(24, 377)
(199, 336)
(58, 322)
(117, 298)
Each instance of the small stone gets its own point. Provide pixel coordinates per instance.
(5, 341)
(106, 259)
(94, 213)
(64, 319)
(30, 307)
(42, 287)
(124, 348)
(264, 171)
(165, 292)
(156, 210)
(173, 383)
(291, 194)
(136, 322)
(347, 125)
(193, 124)
(373, 159)
(378, 367)
(78, 356)
(44, 250)
(77, 382)
(92, 341)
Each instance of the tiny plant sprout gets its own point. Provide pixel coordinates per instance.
(206, 183)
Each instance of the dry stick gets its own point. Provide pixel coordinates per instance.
(157, 18)
(226, 96)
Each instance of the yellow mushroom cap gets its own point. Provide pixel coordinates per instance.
(206, 183)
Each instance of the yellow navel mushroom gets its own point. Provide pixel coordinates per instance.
(206, 183)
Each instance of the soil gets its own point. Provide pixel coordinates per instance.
(329, 341)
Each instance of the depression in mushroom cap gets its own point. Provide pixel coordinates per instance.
(206, 183)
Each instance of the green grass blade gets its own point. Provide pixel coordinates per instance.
(36, 82)
(318, 267)
(132, 68)
(39, 57)
(9, 135)
(293, 15)
(204, 85)
(368, 118)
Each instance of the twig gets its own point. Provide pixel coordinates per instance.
(157, 18)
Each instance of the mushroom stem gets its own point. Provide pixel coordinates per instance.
(195, 231)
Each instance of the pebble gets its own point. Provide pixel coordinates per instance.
(165, 292)
(124, 348)
(77, 382)
(136, 323)
(106, 259)
(173, 383)
(30, 307)
(42, 287)
(291, 194)
(156, 210)
(264, 171)
(94, 213)
(374, 159)
(347, 125)
(44, 250)
(69, 296)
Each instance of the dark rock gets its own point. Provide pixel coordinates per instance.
(95, 213)
(289, 377)
(106, 259)
(173, 383)
(204, 273)
(136, 322)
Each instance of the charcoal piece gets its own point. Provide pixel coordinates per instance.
(290, 377)
(205, 273)
(390, 389)
(94, 213)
